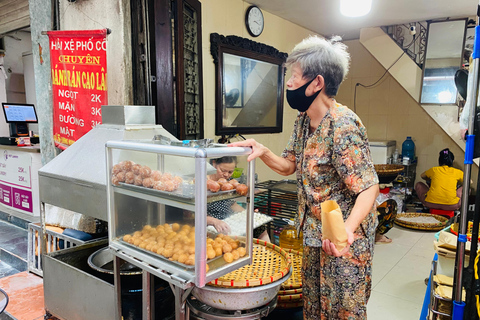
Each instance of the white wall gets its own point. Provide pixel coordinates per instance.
(115, 15)
(4, 132)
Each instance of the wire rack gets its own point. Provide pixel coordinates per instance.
(277, 199)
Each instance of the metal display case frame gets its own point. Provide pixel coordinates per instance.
(181, 280)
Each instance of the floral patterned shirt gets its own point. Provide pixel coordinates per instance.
(332, 163)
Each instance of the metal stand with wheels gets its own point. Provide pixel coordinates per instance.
(458, 304)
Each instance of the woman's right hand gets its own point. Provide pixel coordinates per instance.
(257, 148)
(221, 226)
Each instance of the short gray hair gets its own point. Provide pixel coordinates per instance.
(319, 56)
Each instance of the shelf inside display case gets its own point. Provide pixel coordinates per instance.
(181, 194)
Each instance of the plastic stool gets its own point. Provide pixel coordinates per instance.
(446, 213)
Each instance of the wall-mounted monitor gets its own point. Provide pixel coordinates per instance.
(19, 112)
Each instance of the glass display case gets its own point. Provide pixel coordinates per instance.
(159, 195)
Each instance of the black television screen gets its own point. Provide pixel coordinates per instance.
(19, 112)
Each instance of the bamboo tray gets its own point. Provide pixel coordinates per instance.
(289, 305)
(270, 263)
(402, 220)
(388, 169)
(290, 298)
(295, 281)
(289, 292)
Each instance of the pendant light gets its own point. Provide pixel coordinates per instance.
(355, 8)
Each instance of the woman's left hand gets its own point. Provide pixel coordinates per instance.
(330, 248)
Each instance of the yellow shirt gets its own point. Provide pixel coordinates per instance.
(443, 188)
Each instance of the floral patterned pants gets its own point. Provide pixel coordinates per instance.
(337, 288)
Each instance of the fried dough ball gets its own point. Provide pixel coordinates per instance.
(117, 168)
(127, 237)
(175, 227)
(218, 251)
(242, 189)
(167, 176)
(207, 268)
(115, 181)
(129, 177)
(211, 253)
(137, 234)
(160, 251)
(233, 244)
(146, 227)
(222, 181)
(226, 186)
(169, 185)
(121, 176)
(137, 241)
(234, 182)
(136, 169)
(228, 257)
(235, 255)
(138, 181)
(159, 186)
(227, 248)
(143, 244)
(145, 172)
(242, 251)
(182, 258)
(168, 253)
(127, 165)
(149, 246)
(156, 175)
(213, 186)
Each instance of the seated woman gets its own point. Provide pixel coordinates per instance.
(387, 212)
(219, 210)
(443, 193)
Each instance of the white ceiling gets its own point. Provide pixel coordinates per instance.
(323, 16)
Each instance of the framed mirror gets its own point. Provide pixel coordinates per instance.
(444, 56)
(249, 86)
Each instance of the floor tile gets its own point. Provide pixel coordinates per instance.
(404, 236)
(405, 282)
(382, 306)
(426, 241)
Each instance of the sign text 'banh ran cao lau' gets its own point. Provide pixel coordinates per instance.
(79, 82)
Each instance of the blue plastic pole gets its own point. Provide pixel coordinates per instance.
(458, 308)
(427, 298)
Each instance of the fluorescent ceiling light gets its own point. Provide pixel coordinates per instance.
(355, 8)
(445, 96)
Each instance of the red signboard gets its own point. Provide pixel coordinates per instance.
(79, 82)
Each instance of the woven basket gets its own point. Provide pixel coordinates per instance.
(290, 298)
(289, 292)
(442, 221)
(295, 280)
(388, 169)
(270, 263)
(289, 305)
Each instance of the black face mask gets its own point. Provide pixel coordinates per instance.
(298, 100)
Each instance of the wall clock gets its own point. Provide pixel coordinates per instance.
(254, 21)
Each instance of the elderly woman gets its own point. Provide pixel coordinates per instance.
(329, 152)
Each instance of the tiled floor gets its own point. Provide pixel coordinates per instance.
(399, 272)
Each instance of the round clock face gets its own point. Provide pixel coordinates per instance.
(254, 21)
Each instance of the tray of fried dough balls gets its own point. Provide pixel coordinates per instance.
(176, 243)
(137, 177)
